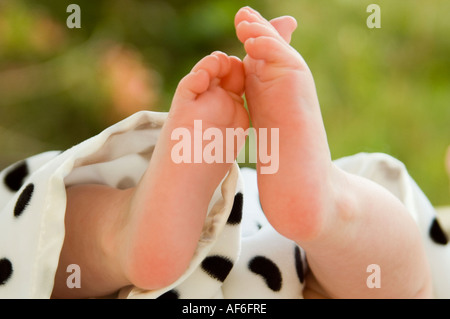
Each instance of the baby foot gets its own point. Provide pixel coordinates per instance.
(170, 203)
(146, 235)
(281, 95)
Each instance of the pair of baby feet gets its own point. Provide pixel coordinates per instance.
(280, 92)
(147, 235)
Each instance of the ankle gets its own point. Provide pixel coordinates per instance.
(318, 209)
(153, 254)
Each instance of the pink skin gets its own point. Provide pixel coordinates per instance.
(211, 93)
(336, 217)
(277, 78)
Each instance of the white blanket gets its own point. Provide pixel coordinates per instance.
(239, 254)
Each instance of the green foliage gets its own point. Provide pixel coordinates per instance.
(381, 90)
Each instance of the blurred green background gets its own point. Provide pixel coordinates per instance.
(381, 90)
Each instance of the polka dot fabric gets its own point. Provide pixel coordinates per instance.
(239, 254)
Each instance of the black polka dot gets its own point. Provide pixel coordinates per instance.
(218, 267)
(24, 200)
(299, 264)
(171, 294)
(15, 177)
(5, 270)
(236, 212)
(437, 234)
(267, 269)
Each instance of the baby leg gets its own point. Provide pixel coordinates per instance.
(146, 236)
(344, 223)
